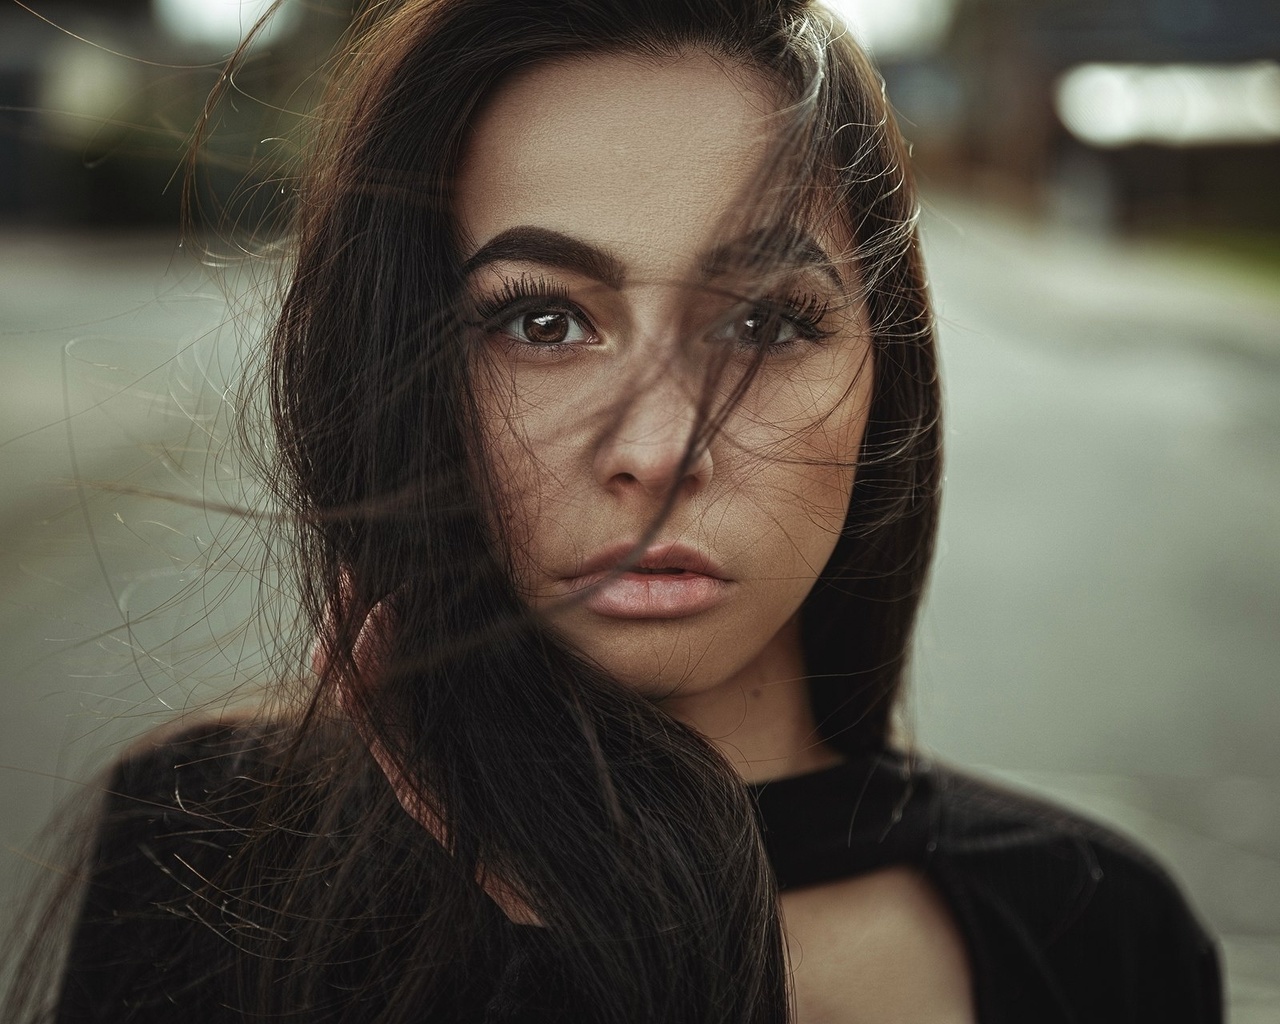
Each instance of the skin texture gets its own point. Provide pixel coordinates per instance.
(876, 948)
(645, 161)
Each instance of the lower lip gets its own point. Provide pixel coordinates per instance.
(638, 595)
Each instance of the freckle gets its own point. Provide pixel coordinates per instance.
(756, 693)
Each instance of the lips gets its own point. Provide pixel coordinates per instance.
(669, 581)
(658, 558)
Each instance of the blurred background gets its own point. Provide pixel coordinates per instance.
(1102, 227)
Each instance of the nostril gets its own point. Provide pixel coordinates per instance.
(649, 449)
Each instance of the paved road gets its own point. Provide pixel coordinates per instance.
(1102, 624)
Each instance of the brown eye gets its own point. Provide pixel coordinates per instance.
(775, 325)
(760, 328)
(547, 327)
(766, 329)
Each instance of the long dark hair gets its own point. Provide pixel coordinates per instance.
(626, 833)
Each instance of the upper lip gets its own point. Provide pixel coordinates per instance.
(656, 556)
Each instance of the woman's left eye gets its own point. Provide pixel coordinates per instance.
(546, 327)
(772, 327)
(764, 329)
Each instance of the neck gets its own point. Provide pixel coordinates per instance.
(760, 718)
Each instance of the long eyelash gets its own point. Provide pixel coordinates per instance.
(807, 311)
(515, 292)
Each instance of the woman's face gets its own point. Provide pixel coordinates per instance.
(607, 257)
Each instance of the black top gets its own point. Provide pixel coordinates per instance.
(1064, 921)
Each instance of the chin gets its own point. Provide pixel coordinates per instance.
(657, 659)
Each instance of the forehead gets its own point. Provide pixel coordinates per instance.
(646, 158)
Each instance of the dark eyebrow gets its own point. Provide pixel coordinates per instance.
(788, 247)
(551, 249)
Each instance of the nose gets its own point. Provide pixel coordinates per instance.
(647, 446)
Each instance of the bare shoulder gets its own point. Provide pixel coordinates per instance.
(876, 948)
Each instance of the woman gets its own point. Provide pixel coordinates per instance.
(605, 400)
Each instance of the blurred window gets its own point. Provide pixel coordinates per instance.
(221, 23)
(1171, 104)
(893, 29)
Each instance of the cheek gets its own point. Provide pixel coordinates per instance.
(801, 430)
(503, 462)
(533, 442)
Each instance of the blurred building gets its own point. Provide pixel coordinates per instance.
(99, 100)
(1126, 112)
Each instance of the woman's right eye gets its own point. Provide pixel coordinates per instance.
(547, 327)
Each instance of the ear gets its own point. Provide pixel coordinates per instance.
(369, 654)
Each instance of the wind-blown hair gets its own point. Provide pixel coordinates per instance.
(625, 832)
